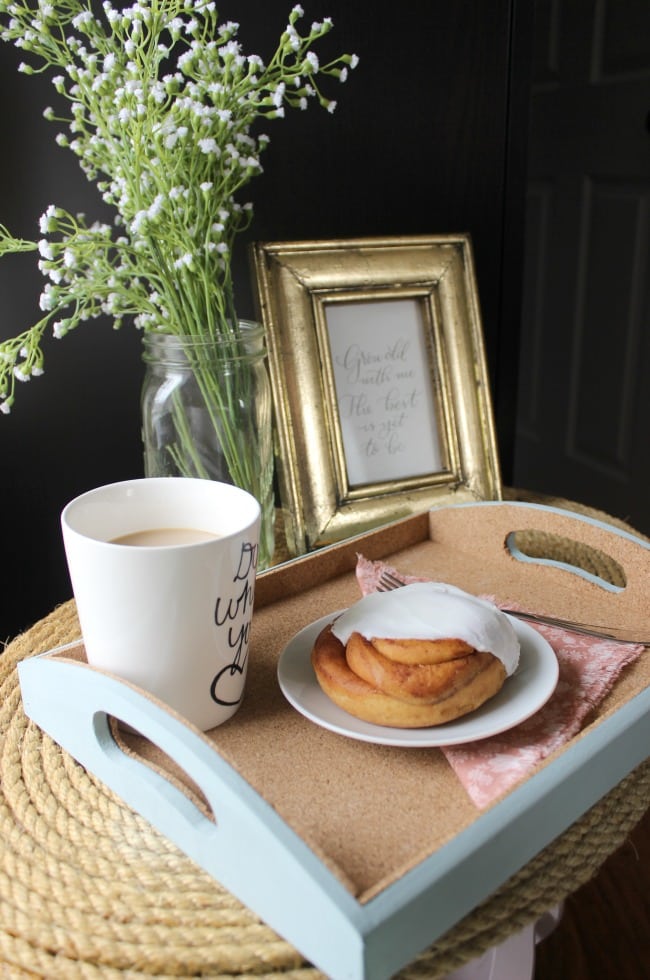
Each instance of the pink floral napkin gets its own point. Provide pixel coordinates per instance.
(589, 668)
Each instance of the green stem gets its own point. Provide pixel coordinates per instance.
(234, 431)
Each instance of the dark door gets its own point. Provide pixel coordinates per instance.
(584, 400)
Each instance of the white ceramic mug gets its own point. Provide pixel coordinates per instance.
(172, 618)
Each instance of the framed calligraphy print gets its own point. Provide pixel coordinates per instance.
(380, 384)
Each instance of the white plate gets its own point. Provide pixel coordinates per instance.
(521, 696)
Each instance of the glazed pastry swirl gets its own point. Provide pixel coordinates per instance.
(367, 665)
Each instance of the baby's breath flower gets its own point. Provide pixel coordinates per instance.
(160, 105)
(48, 220)
(47, 299)
(311, 63)
(209, 145)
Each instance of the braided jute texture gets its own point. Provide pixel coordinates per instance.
(88, 889)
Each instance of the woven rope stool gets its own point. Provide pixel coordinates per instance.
(88, 889)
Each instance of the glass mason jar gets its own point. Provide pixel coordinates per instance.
(207, 412)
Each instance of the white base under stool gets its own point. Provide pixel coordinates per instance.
(513, 959)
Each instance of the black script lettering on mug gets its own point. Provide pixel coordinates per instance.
(247, 561)
(234, 611)
(220, 683)
(233, 606)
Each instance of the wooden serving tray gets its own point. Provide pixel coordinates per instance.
(359, 854)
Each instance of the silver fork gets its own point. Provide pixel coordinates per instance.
(388, 582)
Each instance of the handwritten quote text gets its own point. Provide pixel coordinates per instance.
(384, 391)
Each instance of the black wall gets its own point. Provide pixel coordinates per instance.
(429, 137)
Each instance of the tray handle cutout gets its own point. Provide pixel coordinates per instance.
(463, 533)
(202, 804)
(132, 743)
(130, 739)
(577, 557)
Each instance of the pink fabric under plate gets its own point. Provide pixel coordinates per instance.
(588, 669)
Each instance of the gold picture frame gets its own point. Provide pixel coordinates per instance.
(380, 383)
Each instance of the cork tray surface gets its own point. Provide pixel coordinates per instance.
(373, 812)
